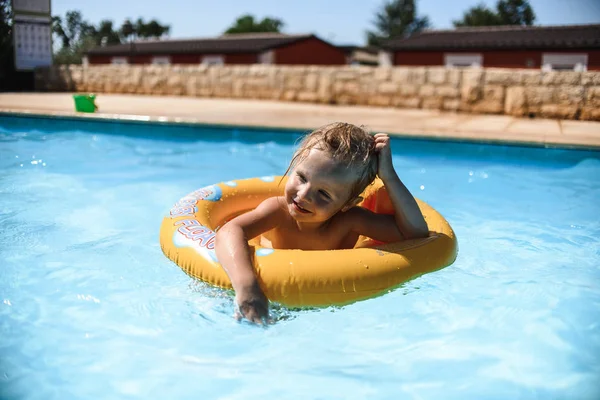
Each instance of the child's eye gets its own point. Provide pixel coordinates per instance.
(302, 178)
(325, 194)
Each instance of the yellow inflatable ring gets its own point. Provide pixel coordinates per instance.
(299, 277)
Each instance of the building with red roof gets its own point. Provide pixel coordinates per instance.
(255, 48)
(568, 47)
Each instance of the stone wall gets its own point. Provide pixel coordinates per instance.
(553, 94)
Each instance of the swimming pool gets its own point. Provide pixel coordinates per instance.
(91, 308)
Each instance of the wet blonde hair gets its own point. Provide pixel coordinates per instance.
(350, 145)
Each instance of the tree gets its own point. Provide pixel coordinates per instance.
(397, 18)
(73, 29)
(144, 30)
(139, 28)
(508, 12)
(105, 34)
(5, 29)
(479, 15)
(127, 29)
(58, 30)
(515, 12)
(77, 37)
(7, 60)
(155, 29)
(247, 24)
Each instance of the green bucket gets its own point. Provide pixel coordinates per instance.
(85, 102)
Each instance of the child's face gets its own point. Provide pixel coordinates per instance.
(318, 187)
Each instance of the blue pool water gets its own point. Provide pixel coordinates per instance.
(90, 308)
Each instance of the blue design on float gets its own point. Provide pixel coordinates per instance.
(267, 178)
(180, 241)
(184, 207)
(210, 193)
(264, 252)
(231, 183)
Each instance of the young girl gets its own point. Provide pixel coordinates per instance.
(318, 211)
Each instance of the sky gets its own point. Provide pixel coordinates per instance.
(338, 21)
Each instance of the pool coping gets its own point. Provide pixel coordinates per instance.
(141, 119)
(413, 134)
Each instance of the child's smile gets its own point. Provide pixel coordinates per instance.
(300, 208)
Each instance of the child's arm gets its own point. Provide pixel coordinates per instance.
(409, 218)
(234, 255)
(407, 221)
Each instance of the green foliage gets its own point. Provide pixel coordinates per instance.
(6, 41)
(105, 34)
(397, 18)
(247, 24)
(142, 29)
(77, 36)
(515, 12)
(155, 29)
(127, 29)
(508, 12)
(5, 25)
(478, 16)
(74, 54)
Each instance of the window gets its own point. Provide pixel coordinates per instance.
(564, 62)
(161, 60)
(118, 60)
(452, 60)
(213, 60)
(266, 57)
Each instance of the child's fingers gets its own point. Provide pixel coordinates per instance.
(258, 316)
(382, 142)
(249, 315)
(237, 315)
(254, 312)
(381, 136)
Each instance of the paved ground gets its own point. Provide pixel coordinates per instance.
(406, 122)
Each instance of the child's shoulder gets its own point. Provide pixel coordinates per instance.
(273, 201)
(265, 216)
(271, 205)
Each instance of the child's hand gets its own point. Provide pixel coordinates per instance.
(385, 168)
(252, 304)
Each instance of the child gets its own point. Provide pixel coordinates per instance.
(318, 211)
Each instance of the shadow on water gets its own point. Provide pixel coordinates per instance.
(424, 149)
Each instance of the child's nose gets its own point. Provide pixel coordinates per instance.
(305, 193)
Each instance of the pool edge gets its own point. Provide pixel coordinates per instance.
(186, 121)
